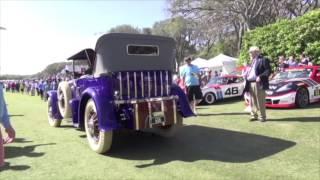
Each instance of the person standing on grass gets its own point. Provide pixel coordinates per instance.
(258, 77)
(191, 78)
(246, 93)
(5, 121)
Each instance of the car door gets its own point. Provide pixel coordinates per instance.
(239, 86)
(230, 89)
(315, 92)
(317, 75)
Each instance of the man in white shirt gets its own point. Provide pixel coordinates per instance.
(258, 77)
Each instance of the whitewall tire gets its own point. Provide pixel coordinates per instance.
(64, 96)
(99, 141)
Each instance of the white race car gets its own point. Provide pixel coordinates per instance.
(222, 87)
(295, 87)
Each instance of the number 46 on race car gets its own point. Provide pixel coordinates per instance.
(222, 87)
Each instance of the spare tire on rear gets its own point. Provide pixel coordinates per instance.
(64, 96)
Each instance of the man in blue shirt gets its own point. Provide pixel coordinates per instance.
(190, 76)
(5, 121)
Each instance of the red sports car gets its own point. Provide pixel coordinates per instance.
(295, 87)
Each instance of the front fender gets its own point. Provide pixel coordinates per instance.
(102, 98)
(54, 104)
(183, 101)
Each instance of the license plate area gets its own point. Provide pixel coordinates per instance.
(151, 114)
(156, 113)
(154, 120)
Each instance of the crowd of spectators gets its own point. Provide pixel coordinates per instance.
(292, 61)
(33, 87)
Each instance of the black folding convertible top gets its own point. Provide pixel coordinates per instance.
(111, 53)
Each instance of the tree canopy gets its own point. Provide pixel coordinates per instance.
(228, 20)
(286, 37)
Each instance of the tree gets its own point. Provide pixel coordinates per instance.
(225, 46)
(146, 31)
(125, 28)
(182, 31)
(295, 8)
(287, 37)
(239, 16)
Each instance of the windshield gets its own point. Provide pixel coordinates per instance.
(297, 73)
(217, 80)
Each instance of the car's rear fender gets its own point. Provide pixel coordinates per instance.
(183, 101)
(54, 104)
(102, 98)
(75, 115)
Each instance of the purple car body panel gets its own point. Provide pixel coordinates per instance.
(75, 115)
(183, 101)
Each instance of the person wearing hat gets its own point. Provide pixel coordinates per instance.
(190, 76)
(258, 81)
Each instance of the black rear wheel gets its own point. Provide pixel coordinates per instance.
(209, 98)
(302, 98)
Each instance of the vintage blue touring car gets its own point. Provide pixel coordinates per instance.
(128, 85)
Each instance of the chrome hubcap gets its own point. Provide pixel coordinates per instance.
(210, 98)
(93, 126)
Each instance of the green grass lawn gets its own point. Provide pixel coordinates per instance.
(218, 144)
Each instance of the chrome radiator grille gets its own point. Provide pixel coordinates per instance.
(142, 84)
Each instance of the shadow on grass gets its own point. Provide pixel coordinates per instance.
(83, 136)
(313, 105)
(299, 119)
(21, 140)
(16, 115)
(222, 114)
(193, 143)
(7, 166)
(202, 107)
(14, 152)
(67, 126)
(223, 102)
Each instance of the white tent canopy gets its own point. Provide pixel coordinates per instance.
(223, 62)
(201, 63)
(220, 60)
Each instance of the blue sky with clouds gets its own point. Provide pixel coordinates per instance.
(40, 32)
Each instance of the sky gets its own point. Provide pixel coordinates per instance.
(41, 32)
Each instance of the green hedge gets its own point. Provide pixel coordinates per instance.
(286, 37)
